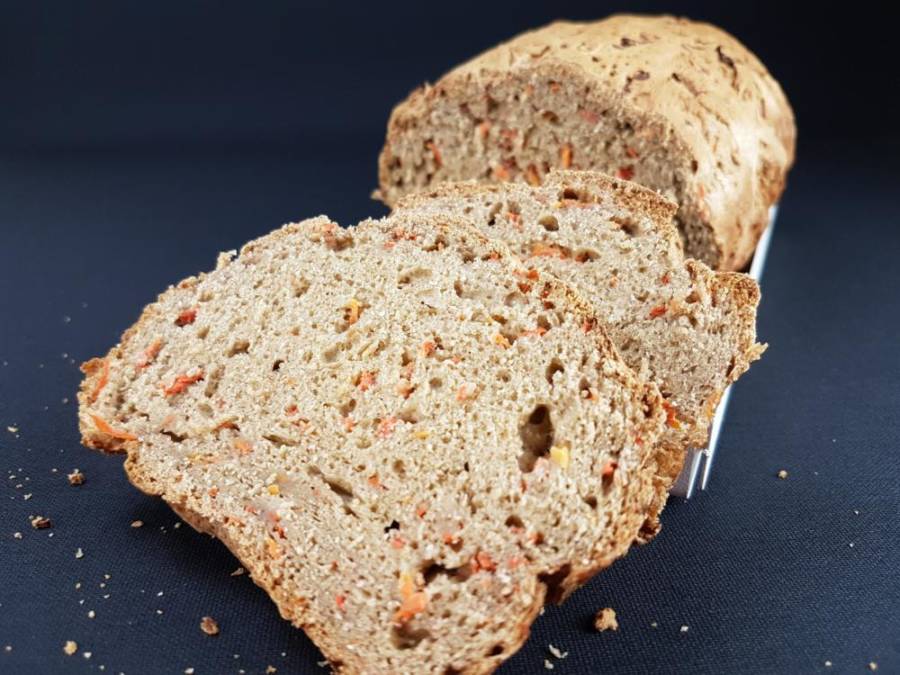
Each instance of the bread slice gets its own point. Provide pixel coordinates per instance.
(677, 105)
(408, 439)
(690, 330)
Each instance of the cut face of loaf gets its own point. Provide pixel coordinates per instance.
(678, 106)
(690, 330)
(407, 438)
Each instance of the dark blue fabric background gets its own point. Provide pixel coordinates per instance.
(137, 143)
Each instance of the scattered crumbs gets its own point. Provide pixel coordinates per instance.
(26, 496)
(851, 544)
(70, 647)
(828, 664)
(41, 523)
(92, 614)
(75, 478)
(87, 655)
(542, 612)
(101, 667)
(209, 625)
(12, 430)
(137, 523)
(238, 572)
(557, 652)
(322, 664)
(606, 619)
(547, 664)
(856, 512)
(106, 596)
(782, 474)
(176, 525)
(159, 595)
(159, 611)
(102, 585)
(66, 318)
(873, 665)
(685, 628)
(188, 671)
(653, 624)
(65, 400)
(77, 585)
(7, 649)
(107, 577)
(271, 669)
(17, 535)
(283, 655)
(55, 470)
(79, 553)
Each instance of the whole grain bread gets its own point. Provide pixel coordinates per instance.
(677, 323)
(679, 106)
(388, 426)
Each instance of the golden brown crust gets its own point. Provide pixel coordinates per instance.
(689, 84)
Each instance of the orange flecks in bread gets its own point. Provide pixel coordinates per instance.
(404, 388)
(421, 509)
(186, 317)
(658, 311)
(515, 219)
(541, 249)
(631, 152)
(349, 423)
(589, 116)
(149, 355)
(227, 424)
(398, 542)
(638, 440)
(532, 176)
(105, 428)
(501, 173)
(272, 548)
(534, 332)
(365, 380)
(484, 129)
(466, 392)
(428, 348)
(341, 601)
(101, 382)
(375, 481)
(513, 562)
(386, 426)
(531, 274)
(565, 156)
(501, 341)
(243, 446)
(450, 538)
(588, 325)
(435, 153)
(412, 601)
(290, 409)
(483, 561)
(555, 87)
(525, 288)
(352, 310)
(609, 469)
(213, 492)
(671, 413)
(181, 383)
(665, 278)
(625, 172)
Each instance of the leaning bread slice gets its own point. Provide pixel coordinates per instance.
(690, 330)
(408, 439)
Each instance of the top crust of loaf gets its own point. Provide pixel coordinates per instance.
(694, 86)
(212, 460)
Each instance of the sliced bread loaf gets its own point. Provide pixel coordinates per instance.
(676, 105)
(388, 426)
(690, 330)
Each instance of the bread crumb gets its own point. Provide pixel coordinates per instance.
(238, 572)
(606, 620)
(547, 664)
(557, 652)
(188, 671)
(873, 665)
(79, 553)
(26, 497)
(828, 664)
(685, 628)
(70, 647)
(782, 474)
(12, 430)
(137, 523)
(17, 535)
(653, 624)
(76, 477)
(41, 523)
(271, 669)
(87, 655)
(92, 614)
(209, 625)
(322, 664)
(7, 649)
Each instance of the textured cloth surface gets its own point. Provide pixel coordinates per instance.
(768, 575)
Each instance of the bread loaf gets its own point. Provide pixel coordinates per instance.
(679, 106)
(408, 438)
(677, 323)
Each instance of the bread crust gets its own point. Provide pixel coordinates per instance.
(689, 85)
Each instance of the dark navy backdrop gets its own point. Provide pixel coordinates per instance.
(136, 141)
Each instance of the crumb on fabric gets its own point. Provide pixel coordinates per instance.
(91, 614)
(873, 665)
(41, 523)
(606, 620)
(557, 652)
(782, 474)
(685, 628)
(238, 572)
(76, 477)
(70, 647)
(137, 523)
(79, 553)
(17, 535)
(547, 664)
(271, 669)
(209, 625)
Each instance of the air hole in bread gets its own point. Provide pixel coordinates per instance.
(212, 381)
(549, 223)
(277, 365)
(492, 214)
(299, 286)
(238, 347)
(627, 224)
(554, 367)
(435, 383)
(586, 255)
(414, 274)
(407, 637)
(554, 582)
(543, 322)
(202, 332)
(277, 439)
(431, 570)
(393, 526)
(503, 376)
(409, 415)
(347, 407)
(514, 521)
(177, 438)
(399, 468)
(537, 437)
(439, 244)
(591, 501)
(497, 650)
